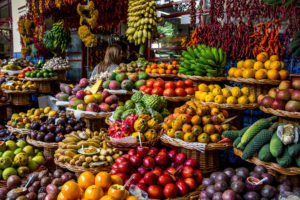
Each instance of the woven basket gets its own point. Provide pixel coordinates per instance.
(41, 79)
(18, 130)
(280, 113)
(116, 92)
(269, 165)
(108, 121)
(61, 75)
(190, 196)
(95, 124)
(79, 169)
(231, 106)
(19, 98)
(255, 81)
(155, 75)
(203, 78)
(178, 99)
(43, 87)
(19, 91)
(40, 144)
(97, 116)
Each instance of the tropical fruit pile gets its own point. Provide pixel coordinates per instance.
(215, 93)
(285, 97)
(103, 186)
(154, 171)
(141, 21)
(140, 127)
(18, 158)
(118, 81)
(130, 67)
(86, 149)
(163, 68)
(202, 60)
(152, 105)
(69, 91)
(44, 73)
(269, 142)
(12, 67)
(168, 88)
(264, 67)
(196, 122)
(19, 86)
(23, 71)
(41, 185)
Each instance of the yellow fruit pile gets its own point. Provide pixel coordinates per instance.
(263, 68)
(214, 93)
(18, 85)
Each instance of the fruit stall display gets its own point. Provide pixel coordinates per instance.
(85, 151)
(5, 134)
(18, 158)
(13, 66)
(162, 173)
(226, 97)
(131, 67)
(59, 66)
(163, 69)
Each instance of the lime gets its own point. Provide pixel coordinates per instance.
(46, 75)
(21, 143)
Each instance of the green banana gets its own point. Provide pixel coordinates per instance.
(215, 53)
(220, 51)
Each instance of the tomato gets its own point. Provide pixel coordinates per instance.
(169, 92)
(180, 92)
(150, 82)
(148, 90)
(159, 83)
(180, 84)
(190, 91)
(170, 84)
(157, 90)
(142, 88)
(188, 83)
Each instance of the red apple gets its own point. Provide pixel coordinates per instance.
(187, 172)
(192, 163)
(132, 152)
(114, 166)
(142, 151)
(162, 159)
(129, 183)
(164, 179)
(142, 181)
(148, 162)
(114, 171)
(151, 154)
(142, 186)
(155, 192)
(135, 160)
(120, 160)
(170, 190)
(142, 170)
(191, 183)
(182, 187)
(163, 150)
(126, 156)
(137, 177)
(154, 149)
(157, 171)
(124, 167)
(172, 154)
(198, 176)
(170, 170)
(150, 178)
(174, 164)
(123, 176)
(180, 158)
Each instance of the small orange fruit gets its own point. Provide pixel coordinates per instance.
(107, 197)
(231, 71)
(266, 55)
(258, 65)
(116, 179)
(86, 179)
(248, 63)
(70, 190)
(153, 71)
(260, 74)
(161, 71)
(131, 198)
(240, 64)
(238, 73)
(274, 58)
(103, 179)
(168, 71)
(61, 197)
(267, 64)
(284, 74)
(262, 57)
(93, 192)
(117, 192)
(282, 64)
(248, 73)
(196, 120)
(273, 74)
(148, 70)
(186, 128)
(275, 65)
(174, 71)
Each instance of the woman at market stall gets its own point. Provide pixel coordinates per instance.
(125, 51)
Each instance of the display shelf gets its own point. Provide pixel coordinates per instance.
(280, 113)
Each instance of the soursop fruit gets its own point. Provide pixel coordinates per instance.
(129, 104)
(165, 112)
(121, 108)
(137, 97)
(127, 113)
(145, 97)
(157, 116)
(117, 115)
(153, 102)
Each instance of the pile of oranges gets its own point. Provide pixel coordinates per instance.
(163, 68)
(264, 67)
(103, 186)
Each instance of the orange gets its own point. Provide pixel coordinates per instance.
(153, 71)
(70, 190)
(231, 71)
(238, 73)
(248, 73)
(275, 65)
(61, 197)
(131, 198)
(248, 63)
(267, 64)
(186, 128)
(274, 58)
(273, 74)
(107, 197)
(86, 179)
(240, 64)
(196, 120)
(258, 65)
(93, 192)
(116, 179)
(262, 57)
(284, 74)
(117, 192)
(266, 54)
(174, 71)
(103, 179)
(214, 137)
(148, 70)
(161, 71)
(168, 71)
(153, 66)
(260, 74)
(282, 64)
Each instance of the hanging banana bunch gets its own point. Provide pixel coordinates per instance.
(142, 21)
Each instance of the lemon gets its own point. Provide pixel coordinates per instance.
(226, 92)
(258, 65)
(252, 98)
(236, 91)
(275, 65)
(216, 91)
(211, 87)
(203, 88)
(217, 86)
(267, 64)
(197, 95)
(219, 99)
(240, 64)
(231, 100)
(209, 98)
(243, 100)
(248, 63)
(202, 96)
(245, 91)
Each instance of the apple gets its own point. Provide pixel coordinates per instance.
(132, 152)
(124, 167)
(163, 153)
(154, 149)
(259, 98)
(192, 163)
(157, 171)
(142, 170)
(142, 186)
(180, 158)
(135, 160)
(278, 104)
(198, 176)
(174, 164)
(284, 85)
(155, 192)
(191, 183)
(272, 92)
(170, 170)
(151, 154)
(164, 179)
(142, 151)
(142, 181)
(172, 154)
(150, 178)
(187, 172)
(129, 183)
(148, 162)
(114, 171)
(137, 177)
(162, 159)
(120, 160)
(123, 176)
(114, 166)
(170, 190)
(163, 150)
(182, 187)
(126, 156)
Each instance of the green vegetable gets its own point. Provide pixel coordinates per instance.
(276, 146)
(264, 153)
(231, 134)
(294, 150)
(236, 142)
(285, 159)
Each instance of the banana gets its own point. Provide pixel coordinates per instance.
(215, 53)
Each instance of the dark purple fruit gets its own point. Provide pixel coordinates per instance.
(71, 122)
(43, 129)
(59, 129)
(13, 182)
(51, 128)
(33, 135)
(35, 126)
(45, 181)
(59, 137)
(77, 128)
(43, 118)
(68, 129)
(61, 122)
(49, 137)
(40, 136)
(31, 196)
(42, 190)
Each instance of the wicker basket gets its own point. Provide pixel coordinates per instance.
(61, 75)
(43, 84)
(178, 99)
(203, 78)
(40, 144)
(19, 98)
(190, 196)
(231, 106)
(20, 131)
(280, 113)
(108, 121)
(155, 75)
(95, 124)
(254, 81)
